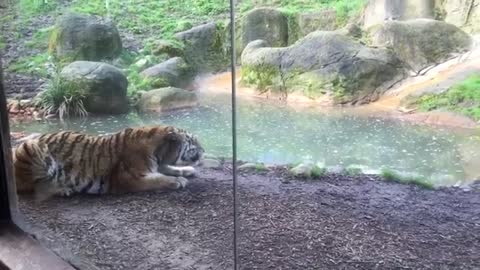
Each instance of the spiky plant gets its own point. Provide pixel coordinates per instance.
(65, 98)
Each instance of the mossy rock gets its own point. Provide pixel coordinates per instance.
(83, 37)
(171, 48)
(166, 99)
(421, 43)
(205, 47)
(323, 64)
(267, 24)
(104, 86)
(173, 72)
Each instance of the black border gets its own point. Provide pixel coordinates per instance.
(7, 201)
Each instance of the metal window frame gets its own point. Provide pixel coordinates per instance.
(18, 249)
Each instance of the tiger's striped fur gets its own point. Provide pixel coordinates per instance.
(135, 159)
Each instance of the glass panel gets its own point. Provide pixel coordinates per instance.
(98, 68)
(350, 114)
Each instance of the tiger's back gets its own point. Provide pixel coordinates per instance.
(65, 162)
(69, 162)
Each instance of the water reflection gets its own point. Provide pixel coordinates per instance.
(276, 134)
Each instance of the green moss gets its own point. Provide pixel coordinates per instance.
(463, 98)
(392, 176)
(137, 83)
(34, 7)
(341, 94)
(318, 171)
(2, 43)
(294, 32)
(309, 84)
(52, 40)
(260, 167)
(40, 39)
(353, 170)
(262, 77)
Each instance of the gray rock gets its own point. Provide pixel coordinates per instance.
(462, 13)
(83, 37)
(173, 72)
(105, 86)
(247, 166)
(205, 48)
(421, 43)
(211, 163)
(267, 24)
(165, 99)
(169, 47)
(323, 64)
(325, 20)
(377, 11)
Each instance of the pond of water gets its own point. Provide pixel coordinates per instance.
(271, 133)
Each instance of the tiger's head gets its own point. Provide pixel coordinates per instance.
(191, 152)
(187, 149)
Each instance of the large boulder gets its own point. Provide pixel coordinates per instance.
(166, 99)
(267, 24)
(83, 37)
(104, 85)
(205, 47)
(377, 11)
(325, 20)
(173, 72)
(323, 64)
(421, 43)
(462, 13)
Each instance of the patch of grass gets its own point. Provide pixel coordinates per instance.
(260, 167)
(39, 39)
(344, 8)
(31, 65)
(463, 97)
(392, 176)
(2, 43)
(64, 98)
(33, 7)
(353, 170)
(263, 77)
(318, 171)
(137, 84)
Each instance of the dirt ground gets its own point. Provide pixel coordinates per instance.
(336, 222)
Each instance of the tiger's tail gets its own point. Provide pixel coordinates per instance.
(30, 165)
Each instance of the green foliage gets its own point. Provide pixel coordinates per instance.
(463, 97)
(344, 8)
(318, 171)
(260, 167)
(32, 65)
(33, 7)
(137, 83)
(262, 77)
(2, 43)
(353, 170)
(64, 98)
(40, 39)
(392, 176)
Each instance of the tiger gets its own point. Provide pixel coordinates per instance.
(132, 160)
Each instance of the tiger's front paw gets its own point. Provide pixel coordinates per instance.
(188, 171)
(181, 182)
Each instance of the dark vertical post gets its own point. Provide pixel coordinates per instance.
(234, 133)
(7, 189)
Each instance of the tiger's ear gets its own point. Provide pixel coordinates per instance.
(173, 136)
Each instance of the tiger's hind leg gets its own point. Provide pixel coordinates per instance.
(149, 182)
(177, 171)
